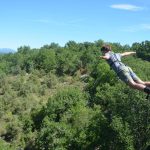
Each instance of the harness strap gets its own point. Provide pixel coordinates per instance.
(116, 60)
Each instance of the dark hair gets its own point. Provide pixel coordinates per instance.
(106, 48)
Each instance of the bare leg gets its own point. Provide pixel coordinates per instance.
(137, 80)
(136, 83)
(147, 83)
(137, 86)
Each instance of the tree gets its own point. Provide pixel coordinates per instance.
(45, 60)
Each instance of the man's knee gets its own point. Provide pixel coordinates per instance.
(132, 83)
(140, 82)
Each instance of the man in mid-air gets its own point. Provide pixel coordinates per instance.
(125, 73)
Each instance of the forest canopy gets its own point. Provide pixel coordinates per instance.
(66, 98)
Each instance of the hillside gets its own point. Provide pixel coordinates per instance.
(47, 103)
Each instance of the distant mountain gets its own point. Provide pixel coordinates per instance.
(6, 50)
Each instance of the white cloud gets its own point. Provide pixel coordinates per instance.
(126, 7)
(145, 26)
(136, 28)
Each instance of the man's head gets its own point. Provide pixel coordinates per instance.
(105, 48)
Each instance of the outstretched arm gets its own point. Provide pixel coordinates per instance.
(104, 57)
(127, 53)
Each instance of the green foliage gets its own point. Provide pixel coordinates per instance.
(62, 120)
(63, 101)
(123, 137)
(67, 62)
(142, 49)
(44, 104)
(5, 146)
(45, 60)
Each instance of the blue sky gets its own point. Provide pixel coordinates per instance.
(39, 22)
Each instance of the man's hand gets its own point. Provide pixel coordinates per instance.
(103, 57)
